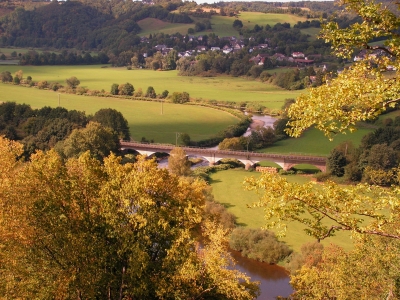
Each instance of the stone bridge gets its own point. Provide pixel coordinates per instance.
(285, 161)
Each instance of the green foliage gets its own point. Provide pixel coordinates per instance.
(235, 143)
(258, 244)
(151, 93)
(99, 140)
(237, 24)
(181, 98)
(164, 94)
(336, 162)
(113, 119)
(126, 89)
(114, 89)
(184, 138)
(6, 76)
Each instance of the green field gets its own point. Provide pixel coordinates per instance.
(144, 118)
(313, 32)
(221, 88)
(314, 142)
(228, 190)
(249, 19)
(221, 25)
(152, 25)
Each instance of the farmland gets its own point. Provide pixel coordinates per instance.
(221, 25)
(144, 118)
(221, 88)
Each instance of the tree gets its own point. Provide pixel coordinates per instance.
(19, 74)
(361, 91)
(114, 89)
(85, 230)
(336, 163)
(184, 138)
(96, 138)
(177, 97)
(6, 76)
(151, 93)
(72, 82)
(126, 89)
(178, 163)
(113, 119)
(237, 24)
(369, 213)
(164, 94)
(235, 143)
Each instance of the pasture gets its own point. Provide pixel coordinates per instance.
(314, 142)
(221, 88)
(144, 118)
(221, 25)
(249, 19)
(228, 190)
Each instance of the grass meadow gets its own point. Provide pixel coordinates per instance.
(228, 190)
(314, 142)
(222, 88)
(250, 19)
(144, 118)
(221, 25)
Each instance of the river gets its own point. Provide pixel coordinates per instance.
(274, 280)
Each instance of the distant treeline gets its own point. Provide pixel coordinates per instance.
(64, 58)
(72, 24)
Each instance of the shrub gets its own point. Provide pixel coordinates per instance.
(217, 212)
(258, 244)
(43, 84)
(310, 254)
(81, 90)
(55, 86)
(323, 176)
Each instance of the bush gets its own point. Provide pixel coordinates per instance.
(43, 84)
(310, 254)
(323, 176)
(55, 86)
(217, 212)
(259, 244)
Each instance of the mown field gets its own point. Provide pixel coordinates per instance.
(314, 142)
(144, 118)
(249, 19)
(228, 189)
(222, 88)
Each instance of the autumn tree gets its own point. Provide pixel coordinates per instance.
(178, 163)
(369, 213)
(85, 230)
(72, 82)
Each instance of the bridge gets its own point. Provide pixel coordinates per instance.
(285, 161)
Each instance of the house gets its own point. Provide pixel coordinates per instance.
(215, 48)
(298, 55)
(303, 62)
(201, 48)
(160, 47)
(279, 57)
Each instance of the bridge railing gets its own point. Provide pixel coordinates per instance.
(292, 155)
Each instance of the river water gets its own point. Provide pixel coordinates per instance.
(274, 280)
